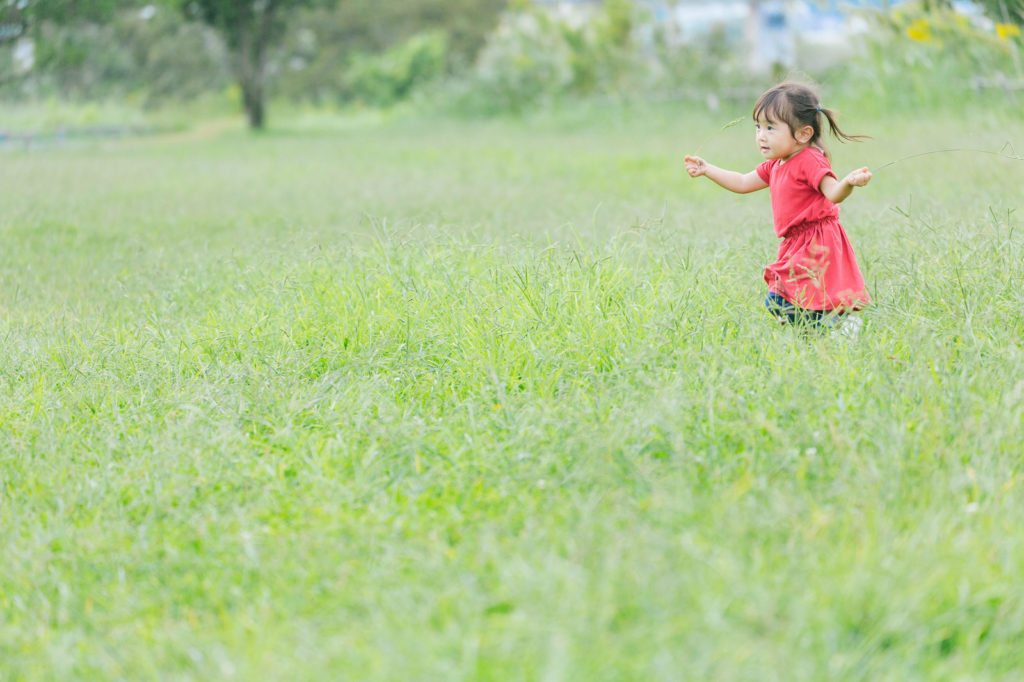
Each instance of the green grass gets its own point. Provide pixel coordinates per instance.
(499, 401)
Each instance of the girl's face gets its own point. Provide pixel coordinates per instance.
(776, 139)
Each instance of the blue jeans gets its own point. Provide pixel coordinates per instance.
(787, 313)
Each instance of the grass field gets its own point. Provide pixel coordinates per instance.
(499, 401)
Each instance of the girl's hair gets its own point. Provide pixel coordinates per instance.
(797, 105)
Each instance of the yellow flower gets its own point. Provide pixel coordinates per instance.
(1007, 31)
(920, 31)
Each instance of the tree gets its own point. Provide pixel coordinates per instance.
(1005, 11)
(248, 28)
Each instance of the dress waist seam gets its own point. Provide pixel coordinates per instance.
(807, 224)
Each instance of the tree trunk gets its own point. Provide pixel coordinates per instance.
(252, 100)
(253, 36)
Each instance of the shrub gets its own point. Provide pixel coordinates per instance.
(536, 56)
(920, 57)
(153, 53)
(384, 79)
(526, 60)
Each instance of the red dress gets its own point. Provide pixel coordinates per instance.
(816, 268)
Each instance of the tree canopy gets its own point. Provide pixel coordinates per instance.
(72, 11)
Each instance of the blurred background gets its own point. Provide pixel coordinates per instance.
(78, 67)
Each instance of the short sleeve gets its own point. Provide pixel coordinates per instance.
(815, 169)
(764, 170)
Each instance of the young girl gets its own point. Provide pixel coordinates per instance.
(815, 277)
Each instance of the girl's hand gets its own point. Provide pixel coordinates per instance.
(696, 166)
(858, 178)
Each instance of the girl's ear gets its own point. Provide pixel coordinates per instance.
(804, 135)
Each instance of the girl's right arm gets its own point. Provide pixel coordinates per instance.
(731, 180)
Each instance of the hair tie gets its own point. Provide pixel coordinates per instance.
(818, 109)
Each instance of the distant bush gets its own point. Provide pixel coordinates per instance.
(536, 55)
(150, 53)
(79, 61)
(173, 59)
(331, 45)
(916, 56)
(526, 60)
(384, 79)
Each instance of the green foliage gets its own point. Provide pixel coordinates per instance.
(528, 59)
(603, 52)
(13, 23)
(370, 26)
(80, 60)
(176, 60)
(67, 12)
(243, 24)
(537, 56)
(384, 79)
(934, 58)
(711, 63)
(154, 54)
(325, 43)
(614, 25)
(1009, 11)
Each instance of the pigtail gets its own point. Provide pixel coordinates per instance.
(833, 127)
(836, 131)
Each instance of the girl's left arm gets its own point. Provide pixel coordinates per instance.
(837, 190)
